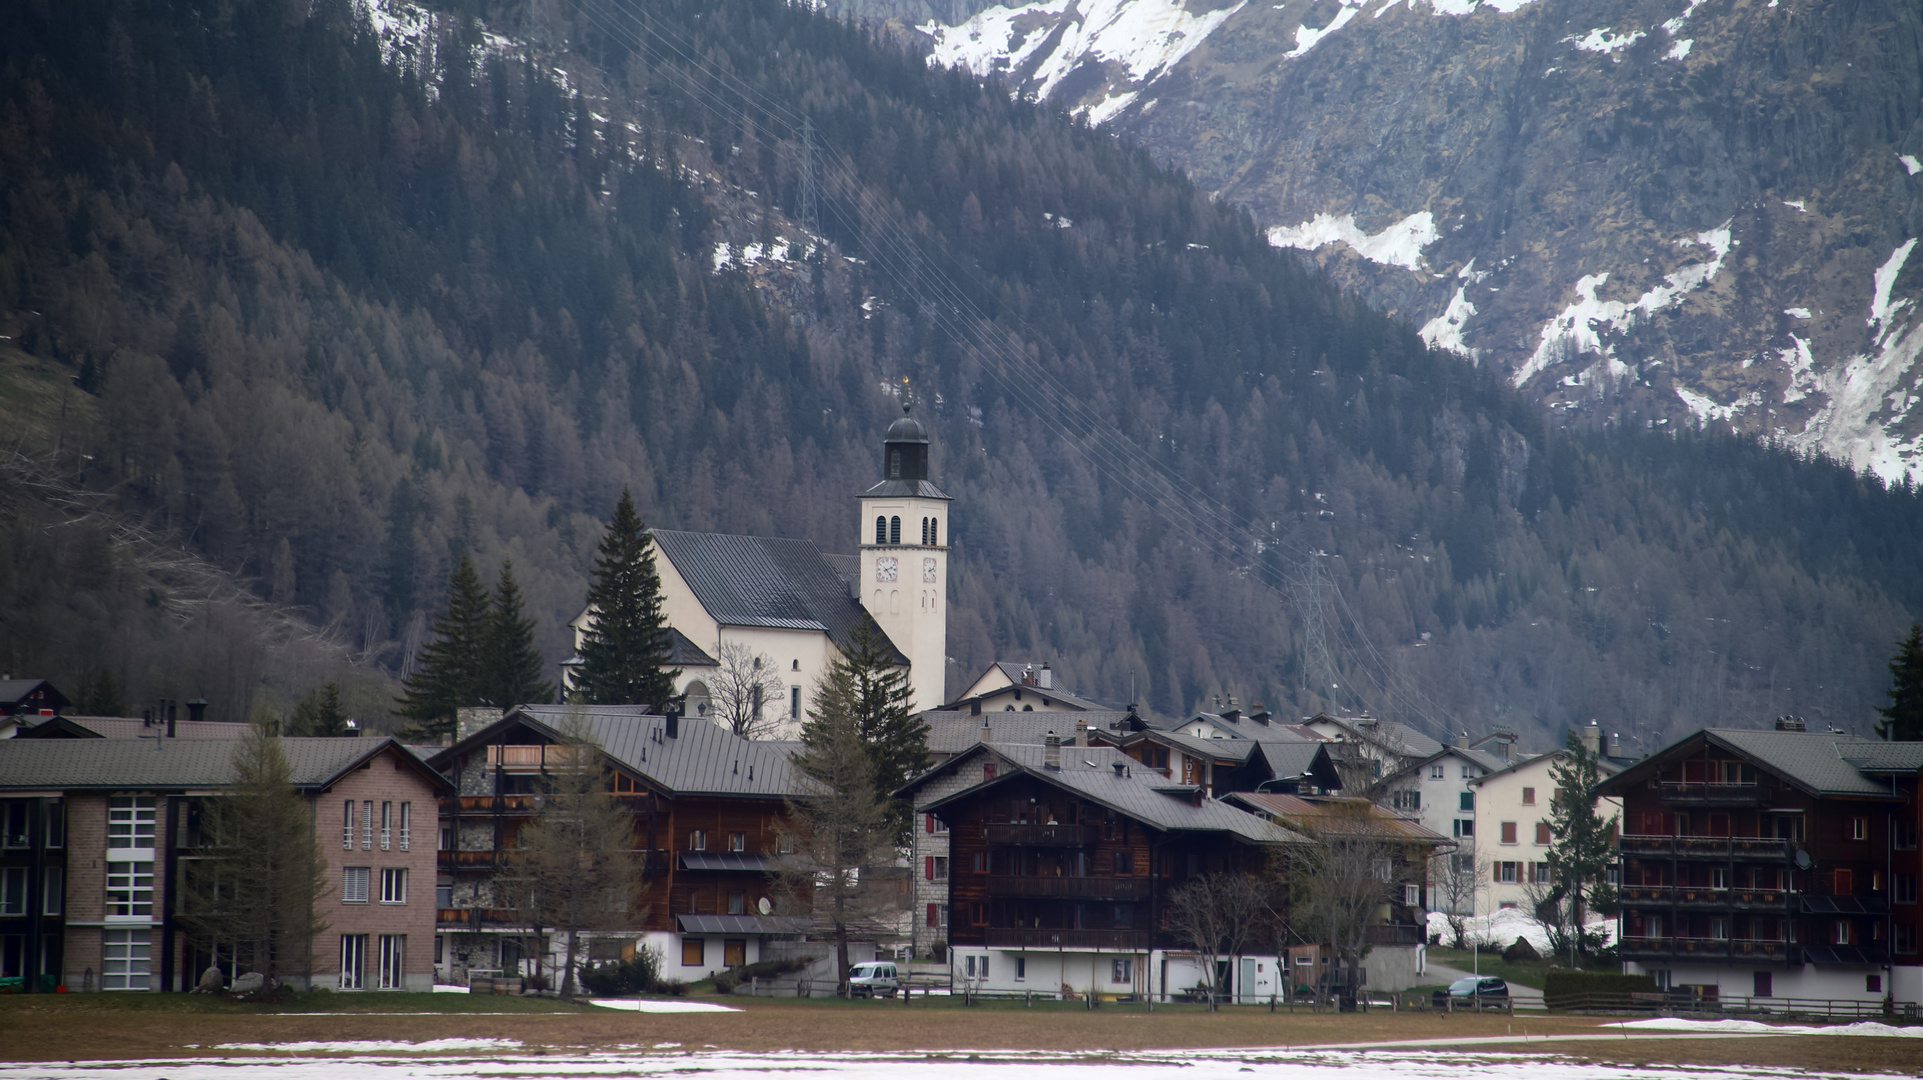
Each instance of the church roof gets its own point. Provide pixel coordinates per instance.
(768, 581)
(905, 489)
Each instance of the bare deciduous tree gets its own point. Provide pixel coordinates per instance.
(1219, 914)
(1338, 884)
(746, 691)
(575, 869)
(1459, 882)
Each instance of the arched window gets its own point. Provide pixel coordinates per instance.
(894, 601)
(894, 530)
(934, 532)
(881, 530)
(924, 530)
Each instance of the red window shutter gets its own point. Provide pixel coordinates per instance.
(929, 823)
(1496, 870)
(934, 917)
(928, 867)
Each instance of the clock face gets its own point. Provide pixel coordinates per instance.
(928, 571)
(887, 568)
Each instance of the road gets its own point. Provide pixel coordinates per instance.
(1526, 997)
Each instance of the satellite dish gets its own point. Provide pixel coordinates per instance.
(764, 906)
(1802, 859)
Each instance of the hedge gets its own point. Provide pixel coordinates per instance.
(1560, 988)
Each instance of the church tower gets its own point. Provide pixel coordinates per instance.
(904, 558)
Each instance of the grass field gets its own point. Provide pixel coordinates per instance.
(100, 1026)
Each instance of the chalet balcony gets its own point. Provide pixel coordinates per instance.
(1724, 848)
(452, 861)
(1394, 934)
(1041, 835)
(1687, 896)
(1684, 793)
(484, 804)
(473, 919)
(1031, 938)
(1693, 948)
(1070, 888)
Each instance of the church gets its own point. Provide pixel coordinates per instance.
(795, 606)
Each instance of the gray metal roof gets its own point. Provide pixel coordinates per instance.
(767, 581)
(167, 764)
(953, 732)
(130, 727)
(1238, 750)
(1816, 761)
(727, 860)
(1089, 771)
(1389, 734)
(740, 924)
(1887, 757)
(703, 759)
(905, 489)
(1288, 760)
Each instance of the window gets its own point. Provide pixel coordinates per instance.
(940, 867)
(737, 841)
(387, 826)
(988, 771)
(1902, 836)
(934, 825)
(1465, 827)
(444, 895)
(130, 821)
(1764, 985)
(125, 958)
(1843, 883)
(1903, 888)
(394, 885)
(694, 952)
(1435, 772)
(14, 832)
(1411, 895)
(1506, 873)
(1508, 832)
(406, 824)
(447, 838)
(1122, 970)
(57, 824)
(347, 826)
(353, 961)
(1469, 772)
(981, 966)
(794, 703)
(737, 905)
(1124, 864)
(1859, 828)
(53, 895)
(1124, 917)
(934, 532)
(924, 532)
(698, 840)
(894, 530)
(13, 890)
(1903, 938)
(1021, 968)
(785, 844)
(881, 530)
(367, 824)
(1544, 836)
(968, 966)
(1873, 983)
(1539, 873)
(1841, 932)
(1405, 800)
(1467, 802)
(734, 953)
(933, 918)
(1528, 796)
(354, 881)
(1719, 928)
(130, 889)
(393, 962)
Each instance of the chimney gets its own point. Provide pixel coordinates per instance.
(1462, 740)
(1790, 723)
(1028, 675)
(1260, 715)
(1615, 744)
(1045, 678)
(1592, 738)
(673, 724)
(353, 728)
(988, 733)
(172, 714)
(1508, 749)
(975, 707)
(473, 718)
(146, 718)
(196, 710)
(1121, 770)
(1081, 732)
(1052, 752)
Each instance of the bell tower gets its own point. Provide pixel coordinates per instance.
(904, 558)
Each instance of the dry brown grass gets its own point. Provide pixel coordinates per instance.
(84, 1028)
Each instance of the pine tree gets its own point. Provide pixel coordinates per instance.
(254, 893)
(511, 670)
(865, 686)
(1584, 844)
(450, 670)
(319, 714)
(1903, 717)
(625, 654)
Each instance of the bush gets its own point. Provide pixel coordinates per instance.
(672, 988)
(1564, 989)
(727, 981)
(638, 974)
(1521, 950)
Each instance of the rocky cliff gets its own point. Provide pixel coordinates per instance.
(1654, 212)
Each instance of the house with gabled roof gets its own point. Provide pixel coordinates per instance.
(1063, 861)
(796, 608)
(94, 833)
(1760, 865)
(1020, 687)
(707, 807)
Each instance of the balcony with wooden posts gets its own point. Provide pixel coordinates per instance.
(1703, 948)
(1689, 793)
(1041, 835)
(1704, 898)
(558, 757)
(484, 804)
(1036, 938)
(1393, 934)
(1725, 848)
(1069, 888)
(474, 918)
(465, 860)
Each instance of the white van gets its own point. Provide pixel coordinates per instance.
(872, 979)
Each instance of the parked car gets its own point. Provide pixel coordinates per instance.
(873, 979)
(1473, 992)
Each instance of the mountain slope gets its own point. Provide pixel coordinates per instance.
(378, 286)
(1686, 211)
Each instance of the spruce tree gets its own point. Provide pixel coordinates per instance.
(1903, 717)
(450, 670)
(625, 653)
(1584, 843)
(865, 687)
(511, 670)
(319, 714)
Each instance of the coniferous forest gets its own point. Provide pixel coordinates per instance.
(296, 318)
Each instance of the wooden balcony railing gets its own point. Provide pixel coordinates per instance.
(1705, 948)
(465, 860)
(1761, 848)
(483, 804)
(473, 918)
(1394, 934)
(1070, 888)
(1041, 835)
(1682, 793)
(1030, 938)
(1704, 897)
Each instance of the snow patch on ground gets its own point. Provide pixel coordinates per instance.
(780, 251)
(1796, 205)
(1459, 8)
(1880, 307)
(1796, 312)
(1605, 42)
(1580, 326)
(1400, 244)
(1499, 929)
(1910, 163)
(1867, 1027)
(377, 1046)
(1145, 37)
(1306, 38)
(1680, 50)
(1675, 26)
(682, 1006)
(1445, 330)
(444, 988)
